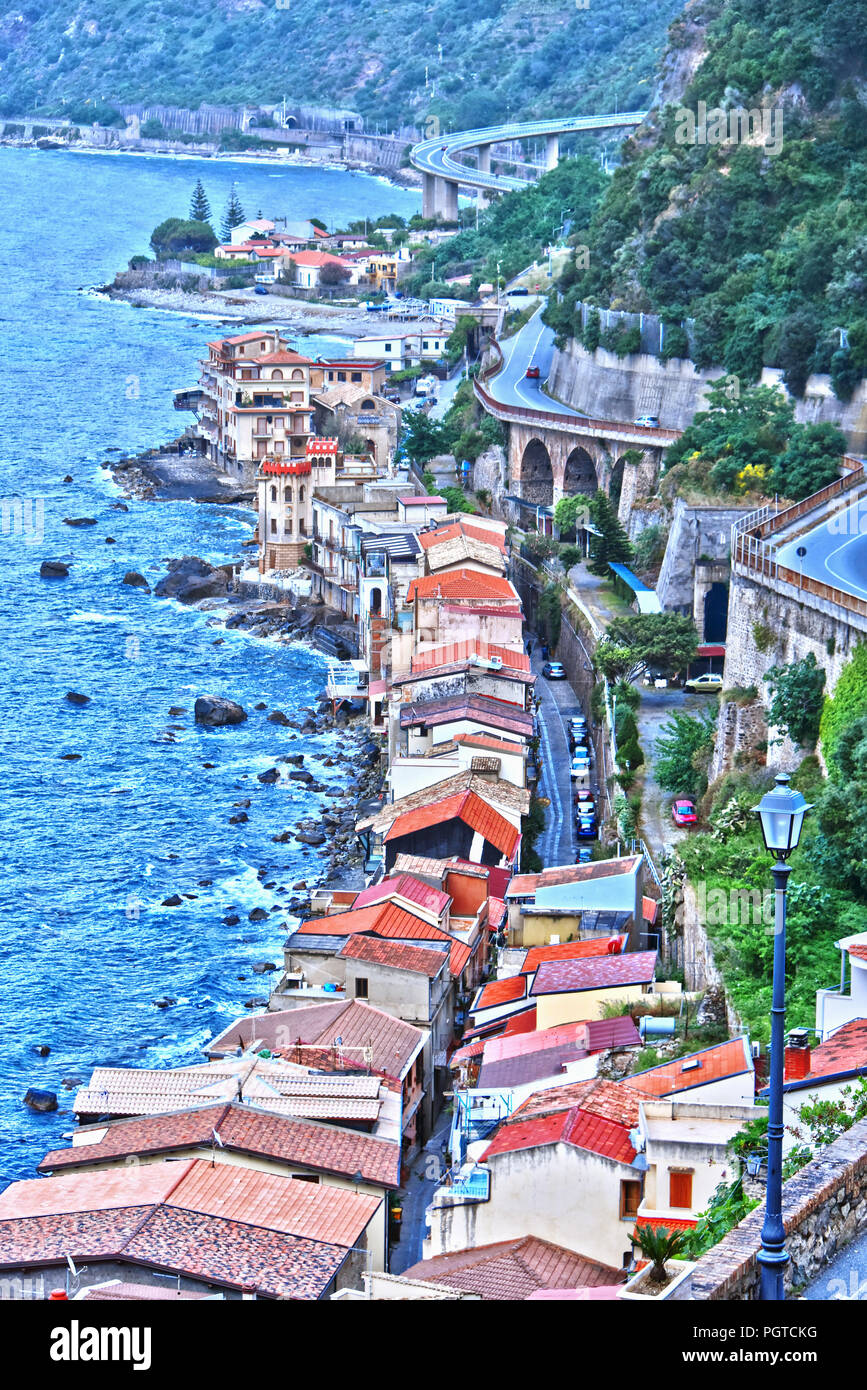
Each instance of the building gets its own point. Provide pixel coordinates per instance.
(685, 1145)
(828, 1072)
(240, 1136)
(513, 1270)
(208, 1227)
(575, 901)
(720, 1075)
(402, 348)
(471, 816)
(835, 1007)
(570, 990)
(305, 268)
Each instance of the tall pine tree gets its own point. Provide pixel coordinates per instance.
(611, 545)
(200, 208)
(233, 216)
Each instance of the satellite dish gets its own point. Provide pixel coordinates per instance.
(801, 551)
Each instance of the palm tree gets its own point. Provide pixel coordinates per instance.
(659, 1245)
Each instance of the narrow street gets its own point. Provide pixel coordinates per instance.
(425, 1176)
(556, 844)
(658, 706)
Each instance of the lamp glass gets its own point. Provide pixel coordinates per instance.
(781, 815)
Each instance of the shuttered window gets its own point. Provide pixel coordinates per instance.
(680, 1190)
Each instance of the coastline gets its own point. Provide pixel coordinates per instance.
(300, 316)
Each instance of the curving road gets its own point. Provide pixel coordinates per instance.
(836, 551)
(436, 157)
(531, 346)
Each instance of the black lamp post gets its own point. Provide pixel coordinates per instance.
(781, 815)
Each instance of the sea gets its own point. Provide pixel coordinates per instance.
(91, 848)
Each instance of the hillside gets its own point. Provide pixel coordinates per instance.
(766, 249)
(499, 57)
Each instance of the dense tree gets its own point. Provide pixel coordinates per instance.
(200, 208)
(683, 744)
(811, 460)
(666, 641)
(610, 543)
(176, 235)
(797, 694)
(233, 215)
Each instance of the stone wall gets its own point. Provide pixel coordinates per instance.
(490, 471)
(824, 1207)
(696, 958)
(624, 388)
(694, 531)
(742, 729)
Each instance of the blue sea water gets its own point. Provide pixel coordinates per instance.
(91, 848)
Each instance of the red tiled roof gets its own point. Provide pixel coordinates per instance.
(396, 954)
(668, 1223)
(317, 258)
(458, 653)
(413, 501)
(499, 992)
(844, 1052)
(393, 1043)
(241, 1129)
(496, 913)
(858, 951)
(391, 920)
(596, 1115)
(284, 356)
(714, 1064)
(427, 539)
(464, 1054)
(524, 1022)
(462, 584)
(465, 806)
(571, 950)
(511, 1270)
(494, 745)
(409, 887)
(609, 972)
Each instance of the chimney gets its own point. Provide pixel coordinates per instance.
(797, 1055)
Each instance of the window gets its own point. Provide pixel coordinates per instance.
(273, 494)
(305, 1177)
(273, 526)
(341, 376)
(356, 376)
(419, 1069)
(630, 1199)
(388, 347)
(360, 987)
(680, 1188)
(276, 375)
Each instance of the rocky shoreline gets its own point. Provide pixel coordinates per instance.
(174, 473)
(209, 588)
(231, 307)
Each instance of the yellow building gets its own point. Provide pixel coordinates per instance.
(571, 991)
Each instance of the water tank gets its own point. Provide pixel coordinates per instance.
(651, 1027)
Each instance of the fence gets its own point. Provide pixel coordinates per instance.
(650, 326)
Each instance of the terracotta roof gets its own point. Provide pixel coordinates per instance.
(525, 884)
(427, 539)
(413, 889)
(844, 1053)
(396, 954)
(223, 1224)
(571, 950)
(462, 584)
(459, 653)
(121, 1290)
(390, 920)
(524, 1022)
(496, 913)
(285, 355)
(495, 792)
(464, 1054)
(511, 1270)
(467, 807)
(393, 1043)
(668, 1223)
(698, 1069)
(499, 992)
(408, 501)
(280, 1138)
(463, 548)
(476, 709)
(608, 972)
(317, 258)
(596, 1115)
(858, 951)
(494, 745)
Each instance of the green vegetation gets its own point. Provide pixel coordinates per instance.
(549, 616)
(610, 543)
(762, 246)
(532, 826)
(727, 1208)
(682, 754)
(649, 548)
(175, 235)
(233, 215)
(200, 208)
(848, 703)
(497, 57)
(797, 698)
(659, 1245)
(748, 441)
(666, 641)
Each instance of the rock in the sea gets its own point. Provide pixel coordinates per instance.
(136, 580)
(79, 521)
(70, 757)
(53, 569)
(297, 775)
(232, 920)
(215, 711)
(253, 1003)
(69, 1083)
(258, 914)
(299, 887)
(41, 1049)
(283, 838)
(41, 1100)
(75, 698)
(240, 818)
(165, 1002)
(119, 507)
(272, 775)
(263, 967)
(174, 901)
(110, 540)
(295, 758)
(190, 579)
(261, 705)
(175, 709)
(306, 837)
(278, 717)
(68, 478)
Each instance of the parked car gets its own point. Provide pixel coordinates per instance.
(709, 682)
(261, 289)
(585, 854)
(518, 290)
(586, 828)
(554, 671)
(533, 373)
(648, 421)
(580, 767)
(683, 813)
(581, 750)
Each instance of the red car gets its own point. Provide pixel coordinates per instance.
(683, 813)
(533, 373)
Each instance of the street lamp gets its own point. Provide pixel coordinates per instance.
(781, 816)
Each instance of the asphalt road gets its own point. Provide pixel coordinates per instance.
(532, 345)
(845, 1278)
(557, 844)
(657, 706)
(836, 551)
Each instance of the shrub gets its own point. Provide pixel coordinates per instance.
(848, 703)
(570, 555)
(797, 698)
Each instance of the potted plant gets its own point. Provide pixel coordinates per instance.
(666, 1276)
